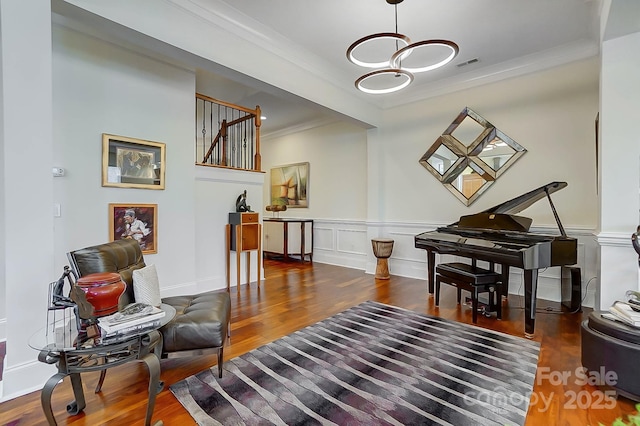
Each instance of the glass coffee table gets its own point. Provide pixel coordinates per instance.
(75, 353)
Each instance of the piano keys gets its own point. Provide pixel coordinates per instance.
(498, 236)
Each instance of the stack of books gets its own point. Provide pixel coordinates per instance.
(623, 312)
(136, 318)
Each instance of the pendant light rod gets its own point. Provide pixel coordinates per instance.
(395, 6)
(393, 66)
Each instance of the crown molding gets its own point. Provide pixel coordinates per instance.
(540, 61)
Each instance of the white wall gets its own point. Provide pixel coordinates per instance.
(100, 88)
(3, 287)
(26, 218)
(216, 191)
(551, 113)
(620, 174)
(217, 37)
(337, 154)
(362, 183)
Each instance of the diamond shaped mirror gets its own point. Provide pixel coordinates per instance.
(470, 155)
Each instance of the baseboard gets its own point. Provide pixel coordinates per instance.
(25, 378)
(347, 260)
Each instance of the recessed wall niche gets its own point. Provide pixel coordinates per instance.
(470, 155)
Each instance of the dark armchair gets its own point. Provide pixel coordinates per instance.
(201, 324)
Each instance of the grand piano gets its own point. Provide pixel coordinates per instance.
(498, 236)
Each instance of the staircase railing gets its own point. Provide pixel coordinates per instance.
(227, 135)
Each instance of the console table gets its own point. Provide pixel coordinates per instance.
(75, 353)
(288, 236)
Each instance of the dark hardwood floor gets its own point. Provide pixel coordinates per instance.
(295, 295)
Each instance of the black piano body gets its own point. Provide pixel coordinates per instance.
(498, 236)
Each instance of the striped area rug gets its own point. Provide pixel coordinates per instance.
(372, 364)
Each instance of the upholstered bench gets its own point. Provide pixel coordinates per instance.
(473, 279)
(201, 323)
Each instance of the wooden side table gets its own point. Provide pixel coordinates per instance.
(244, 234)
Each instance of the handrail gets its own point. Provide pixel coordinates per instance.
(236, 142)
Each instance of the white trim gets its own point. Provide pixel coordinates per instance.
(407, 261)
(30, 375)
(614, 239)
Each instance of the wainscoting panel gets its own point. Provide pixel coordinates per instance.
(348, 243)
(341, 243)
(322, 239)
(618, 271)
(351, 241)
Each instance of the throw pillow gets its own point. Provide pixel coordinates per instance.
(146, 288)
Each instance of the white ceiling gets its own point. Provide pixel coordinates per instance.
(507, 37)
(492, 31)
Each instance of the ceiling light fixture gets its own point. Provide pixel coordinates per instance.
(391, 64)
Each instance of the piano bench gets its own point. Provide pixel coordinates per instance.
(474, 280)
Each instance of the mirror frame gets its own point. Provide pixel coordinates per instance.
(469, 156)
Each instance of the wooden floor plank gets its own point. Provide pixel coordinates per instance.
(295, 295)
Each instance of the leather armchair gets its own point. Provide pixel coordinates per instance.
(201, 324)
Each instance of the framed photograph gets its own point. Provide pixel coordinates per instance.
(290, 185)
(132, 163)
(136, 221)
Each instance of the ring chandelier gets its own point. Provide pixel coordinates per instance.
(392, 75)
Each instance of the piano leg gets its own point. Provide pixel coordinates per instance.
(431, 268)
(505, 281)
(530, 290)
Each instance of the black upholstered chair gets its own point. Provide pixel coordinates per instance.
(201, 323)
(614, 346)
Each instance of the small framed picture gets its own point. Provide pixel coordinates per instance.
(136, 221)
(132, 163)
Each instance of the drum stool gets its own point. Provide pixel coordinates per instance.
(382, 248)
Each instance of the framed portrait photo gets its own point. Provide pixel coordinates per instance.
(132, 163)
(135, 221)
(290, 185)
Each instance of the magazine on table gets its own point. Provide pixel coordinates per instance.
(131, 330)
(624, 312)
(132, 315)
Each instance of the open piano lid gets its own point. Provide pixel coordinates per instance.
(503, 216)
(516, 205)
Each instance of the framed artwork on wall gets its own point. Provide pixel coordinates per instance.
(136, 221)
(132, 163)
(290, 185)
